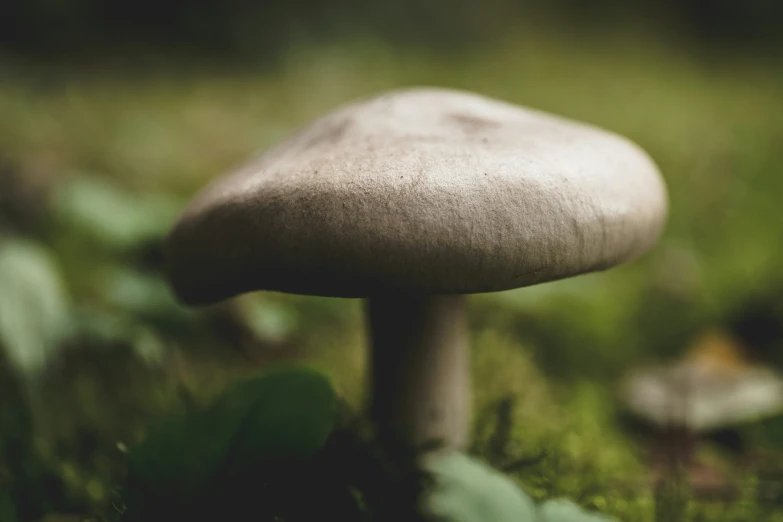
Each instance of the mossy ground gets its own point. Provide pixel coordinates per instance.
(545, 358)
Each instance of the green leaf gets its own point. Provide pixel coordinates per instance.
(114, 218)
(143, 295)
(34, 306)
(562, 510)
(102, 324)
(468, 490)
(286, 413)
(270, 320)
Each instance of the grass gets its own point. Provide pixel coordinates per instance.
(715, 128)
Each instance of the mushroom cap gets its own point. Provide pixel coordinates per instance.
(420, 191)
(712, 387)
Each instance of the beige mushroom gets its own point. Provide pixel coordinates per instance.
(411, 200)
(713, 387)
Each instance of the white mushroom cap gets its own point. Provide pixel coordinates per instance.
(704, 391)
(420, 191)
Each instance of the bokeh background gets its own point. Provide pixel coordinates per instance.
(113, 114)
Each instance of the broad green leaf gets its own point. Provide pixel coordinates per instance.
(144, 296)
(291, 415)
(114, 218)
(562, 510)
(287, 412)
(34, 306)
(468, 490)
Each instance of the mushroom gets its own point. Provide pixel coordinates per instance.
(712, 388)
(411, 200)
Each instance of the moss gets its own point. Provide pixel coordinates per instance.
(544, 357)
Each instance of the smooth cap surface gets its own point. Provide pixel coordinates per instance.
(423, 191)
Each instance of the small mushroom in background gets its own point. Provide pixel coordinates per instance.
(411, 200)
(712, 388)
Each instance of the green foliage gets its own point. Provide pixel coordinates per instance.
(561, 510)
(111, 217)
(274, 320)
(296, 459)
(187, 464)
(253, 448)
(545, 357)
(467, 490)
(145, 297)
(34, 305)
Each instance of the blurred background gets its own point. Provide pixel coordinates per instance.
(113, 114)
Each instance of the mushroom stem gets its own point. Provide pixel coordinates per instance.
(420, 369)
